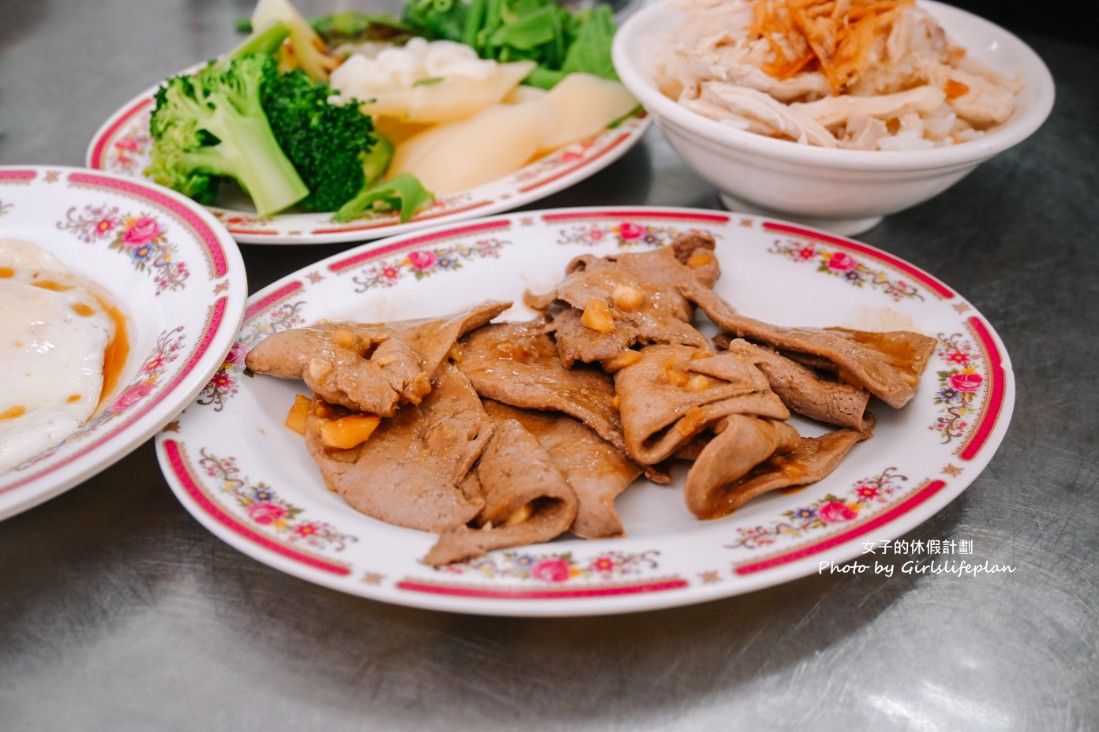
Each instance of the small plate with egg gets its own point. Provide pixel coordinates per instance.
(119, 300)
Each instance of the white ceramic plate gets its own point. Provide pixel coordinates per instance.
(249, 479)
(122, 145)
(175, 273)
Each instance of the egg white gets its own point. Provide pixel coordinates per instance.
(53, 339)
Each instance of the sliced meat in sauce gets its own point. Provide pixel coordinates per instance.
(802, 390)
(887, 364)
(517, 364)
(365, 370)
(506, 434)
(409, 471)
(613, 303)
(673, 393)
(371, 368)
(750, 456)
(526, 498)
(597, 471)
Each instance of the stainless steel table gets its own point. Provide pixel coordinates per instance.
(118, 611)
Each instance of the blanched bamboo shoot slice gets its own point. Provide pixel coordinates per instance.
(456, 156)
(585, 105)
(448, 98)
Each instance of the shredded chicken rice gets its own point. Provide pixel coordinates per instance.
(851, 74)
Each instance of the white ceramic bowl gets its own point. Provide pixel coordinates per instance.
(844, 191)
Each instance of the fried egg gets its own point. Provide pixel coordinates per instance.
(57, 348)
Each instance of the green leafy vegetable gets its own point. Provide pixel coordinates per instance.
(590, 50)
(557, 40)
(438, 18)
(353, 26)
(402, 193)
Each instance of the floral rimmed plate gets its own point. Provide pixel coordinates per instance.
(173, 271)
(122, 145)
(249, 479)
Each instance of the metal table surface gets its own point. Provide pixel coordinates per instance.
(118, 611)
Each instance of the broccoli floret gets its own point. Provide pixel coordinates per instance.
(212, 126)
(376, 162)
(336, 150)
(327, 143)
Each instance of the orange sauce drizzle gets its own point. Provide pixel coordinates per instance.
(114, 356)
(52, 285)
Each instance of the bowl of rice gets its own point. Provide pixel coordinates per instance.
(831, 113)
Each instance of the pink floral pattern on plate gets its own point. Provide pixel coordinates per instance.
(169, 345)
(960, 386)
(569, 155)
(624, 234)
(129, 154)
(226, 380)
(556, 568)
(840, 264)
(141, 237)
(421, 263)
(263, 506)
(824, 513)
(237, 220)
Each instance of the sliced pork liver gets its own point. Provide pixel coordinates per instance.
(526, 498)
(409, 471)
(597, 471)
(750, 456)
(517, 364)
(367, 370)
(803, 391)
(887, 364)
(370, 368)
(673, 393)
(640, 294)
